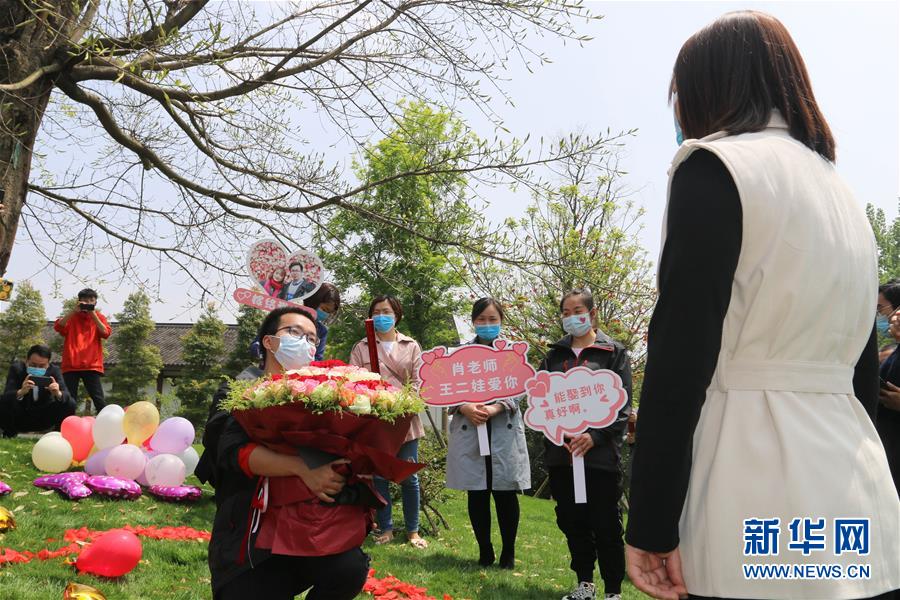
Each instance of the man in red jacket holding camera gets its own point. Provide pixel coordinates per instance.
(82, 329)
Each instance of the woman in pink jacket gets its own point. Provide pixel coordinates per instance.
(399, 357)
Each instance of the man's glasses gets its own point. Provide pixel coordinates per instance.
(297, 332)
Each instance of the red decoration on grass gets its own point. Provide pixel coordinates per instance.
(74, 536)
(391, 588)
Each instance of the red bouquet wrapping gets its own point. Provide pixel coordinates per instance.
(325, 411)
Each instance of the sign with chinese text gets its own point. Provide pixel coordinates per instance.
(566, 404)
(474, 373)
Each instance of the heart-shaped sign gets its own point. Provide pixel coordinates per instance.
(290, 276)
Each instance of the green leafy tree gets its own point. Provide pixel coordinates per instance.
(21, 323)
(378, 257)
(203, 350)
(887, 238)
(139, 362)
(248, 321)
(56, 341)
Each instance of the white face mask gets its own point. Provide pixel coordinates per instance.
(294, 352)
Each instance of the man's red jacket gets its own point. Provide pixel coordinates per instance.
(82, 349)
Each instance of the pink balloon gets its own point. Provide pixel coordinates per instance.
(125, 461)
(173, 436)
(114, 487)
(4, 489)
(78, 432)
(180, 493)
(70, 484)
(165, 470)
(96, 462)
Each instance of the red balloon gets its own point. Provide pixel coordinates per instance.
(79, 433)
(112, 554)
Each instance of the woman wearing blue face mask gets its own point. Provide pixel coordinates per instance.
(398, 356)
(502, 474)
(593, 530)
(35, 397)
(326, 301)
(888, 420)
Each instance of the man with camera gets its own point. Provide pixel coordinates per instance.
(35, 397)
(83, 330)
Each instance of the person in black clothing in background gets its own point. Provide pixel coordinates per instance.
(27, 406)
(888, 420)
(593, 530)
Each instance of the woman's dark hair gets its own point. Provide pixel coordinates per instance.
(586, 296)
(733, 72)
(395, 306)
(327, 292)
(891, 292)
(41, 350)
(482, 305)
(270, 324)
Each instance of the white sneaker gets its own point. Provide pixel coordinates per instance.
(613, 597)
(584, 591)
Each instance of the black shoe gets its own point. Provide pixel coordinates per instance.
(486, 556)
(507, 561)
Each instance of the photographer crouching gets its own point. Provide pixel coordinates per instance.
(35, 397)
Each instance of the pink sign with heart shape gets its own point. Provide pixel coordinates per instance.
(474, 373)
(289, 276)
(561, 404)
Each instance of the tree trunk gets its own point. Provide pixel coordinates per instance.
(29, 40)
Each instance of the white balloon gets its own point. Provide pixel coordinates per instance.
(51, 434)
(52, 454)
(190, 458)
(165, 469)
(107, 429)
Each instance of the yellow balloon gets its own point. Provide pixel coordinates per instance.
(52, 454)
(140, 422)
(78, 591)
(7, 521)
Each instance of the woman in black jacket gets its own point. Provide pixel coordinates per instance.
(888, 420)
(26, 406)
(593, 530)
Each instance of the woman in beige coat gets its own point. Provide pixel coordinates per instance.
(757, 471)
(399, 357)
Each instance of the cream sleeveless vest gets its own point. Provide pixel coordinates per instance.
(780, 434)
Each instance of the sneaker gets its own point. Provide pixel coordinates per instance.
(584, 591)
(612, 597)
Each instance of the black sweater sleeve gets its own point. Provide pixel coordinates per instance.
(696, 273)
(865, 376)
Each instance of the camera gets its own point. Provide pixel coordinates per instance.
(86, 307)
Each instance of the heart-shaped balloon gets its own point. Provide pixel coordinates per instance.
(7, 521)
(114, 487)
(70, 484)
(79, 591)
(78, 432)
(181, 493)
(272, 267)
(4, 489)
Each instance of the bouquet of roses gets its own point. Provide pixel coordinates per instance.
(332, 407)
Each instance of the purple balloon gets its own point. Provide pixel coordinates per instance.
(173, 436)
(96, 462)
(69, 484)
(181, 493)
(114, 487)
(4, 489)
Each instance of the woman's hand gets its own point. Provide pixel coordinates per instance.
(890, 396)
(894, 329)
(323, 481)
(580, 444)
(478, 414)
(53, 388)
(657, 574)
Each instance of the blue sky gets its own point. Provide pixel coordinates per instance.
(618, 81)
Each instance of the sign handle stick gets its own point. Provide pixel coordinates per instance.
(373, 349)
(484, 446)
(578, 476)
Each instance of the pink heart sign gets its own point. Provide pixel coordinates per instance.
(561, 404)
(474, 373)
(288, 276)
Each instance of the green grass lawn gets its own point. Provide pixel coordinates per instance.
(177, 570)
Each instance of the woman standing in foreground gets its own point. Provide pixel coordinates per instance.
(769, 269)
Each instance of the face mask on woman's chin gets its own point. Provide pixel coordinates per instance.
(294, 353)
